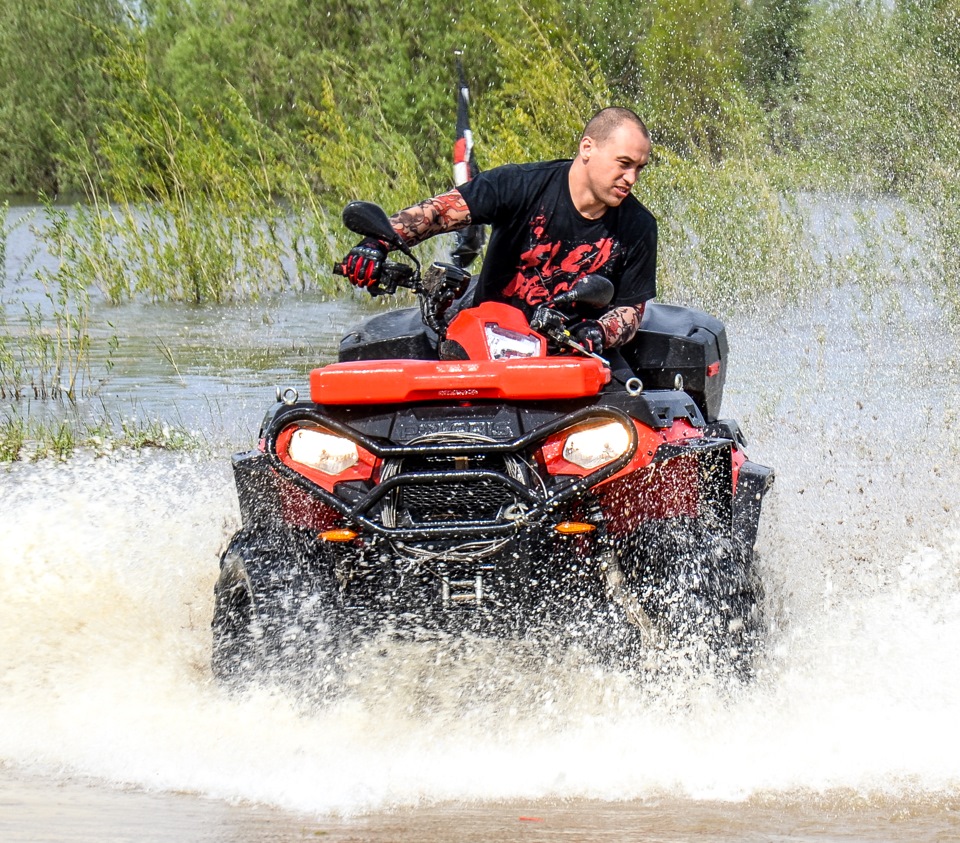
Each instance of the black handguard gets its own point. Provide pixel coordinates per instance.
(547, 320)
(440, 286)
(552, 324)
(445, 280)
(393, 275)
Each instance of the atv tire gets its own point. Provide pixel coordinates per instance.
(270, 621)
(703, 592)
(236, 654)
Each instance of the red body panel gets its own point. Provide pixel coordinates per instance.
(301, 509)
(648, 440)
(467, 328)
(363, 470)
(480, 377)
(642, 490)
(403, 381)
(667, 489)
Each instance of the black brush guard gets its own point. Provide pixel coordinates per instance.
(364, 506)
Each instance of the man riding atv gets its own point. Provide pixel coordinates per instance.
(552, 224)
(485, 472)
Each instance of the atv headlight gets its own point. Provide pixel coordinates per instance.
(323, 451)
(596, 446)
(504, 343)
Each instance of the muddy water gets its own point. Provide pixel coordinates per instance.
(37, 809)
(111, 728)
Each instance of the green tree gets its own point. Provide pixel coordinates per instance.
(50, 86)
(772, 45)
(689, 68)
(880, 91)
(280, 55)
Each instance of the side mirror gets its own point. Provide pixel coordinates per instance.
(370, 220)
(591, 290)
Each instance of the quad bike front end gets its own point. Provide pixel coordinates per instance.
(456, 496)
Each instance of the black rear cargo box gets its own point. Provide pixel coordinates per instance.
(676, 340)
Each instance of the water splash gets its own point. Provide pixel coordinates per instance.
(108, 566)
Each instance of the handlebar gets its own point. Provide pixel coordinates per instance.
(442, 283)
(392, 275)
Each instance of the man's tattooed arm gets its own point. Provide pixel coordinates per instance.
(446, 212)
(621, 324)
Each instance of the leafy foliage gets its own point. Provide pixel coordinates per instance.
(690, 68)
(772, 48)
(216, 140)
(529, 122)
(50, 85)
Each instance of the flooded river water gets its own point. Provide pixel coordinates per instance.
(112, 729)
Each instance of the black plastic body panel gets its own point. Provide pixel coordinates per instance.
(394, 335)
(676, 340)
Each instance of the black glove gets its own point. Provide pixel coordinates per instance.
(363, 262)
(589, 333)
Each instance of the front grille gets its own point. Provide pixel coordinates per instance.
(480, 494)
(443, 502)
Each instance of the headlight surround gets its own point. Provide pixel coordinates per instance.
(504, 343)
(595, 446)
(323, 451)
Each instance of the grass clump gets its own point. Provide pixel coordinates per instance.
(29, 438)
(184, 207)
(45, 350)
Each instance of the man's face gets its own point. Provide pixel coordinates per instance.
(613, 165)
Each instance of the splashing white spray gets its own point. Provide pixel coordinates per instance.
(108, 565)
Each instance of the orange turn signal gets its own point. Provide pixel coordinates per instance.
(573, 528)
(338, 535)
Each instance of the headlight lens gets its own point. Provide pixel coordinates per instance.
(323, 451)
(596, 446)
(504, 343)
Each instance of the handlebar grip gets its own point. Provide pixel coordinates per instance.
(394, 275)
(374, 289)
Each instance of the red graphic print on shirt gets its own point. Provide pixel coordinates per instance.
(548, 268)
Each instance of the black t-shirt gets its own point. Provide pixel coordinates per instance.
(540, 244)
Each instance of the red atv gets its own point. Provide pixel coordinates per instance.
(477, 473)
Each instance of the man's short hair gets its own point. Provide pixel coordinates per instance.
(606, 121)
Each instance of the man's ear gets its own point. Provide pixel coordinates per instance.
(586, 148)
